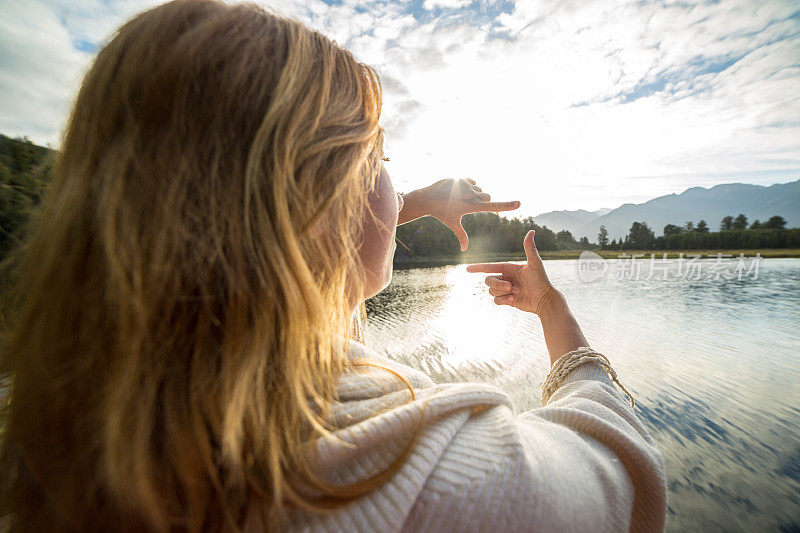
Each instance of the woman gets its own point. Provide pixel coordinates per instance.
(176, 347)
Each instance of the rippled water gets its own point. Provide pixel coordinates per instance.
(713, 365)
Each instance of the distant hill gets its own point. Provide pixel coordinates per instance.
(568, 220)
(757, 202)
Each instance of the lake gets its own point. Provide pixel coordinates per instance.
(712, 359)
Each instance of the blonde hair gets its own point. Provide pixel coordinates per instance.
(174, 328)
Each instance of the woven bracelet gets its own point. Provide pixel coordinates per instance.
(572, 360)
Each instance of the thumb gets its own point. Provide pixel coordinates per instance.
(461, 234)
(531, 253)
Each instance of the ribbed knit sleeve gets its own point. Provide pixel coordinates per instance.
(612, 438)
(584, 462)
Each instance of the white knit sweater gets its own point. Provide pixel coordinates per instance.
(582, 463)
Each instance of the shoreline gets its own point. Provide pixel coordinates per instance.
(430, 262)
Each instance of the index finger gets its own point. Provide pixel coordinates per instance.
(497, 206)
(488, 268)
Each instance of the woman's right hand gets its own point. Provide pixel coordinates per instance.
(525, 287)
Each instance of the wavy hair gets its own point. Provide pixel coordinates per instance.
(174, 325)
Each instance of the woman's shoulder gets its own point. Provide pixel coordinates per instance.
(378, 397)
(468, 448)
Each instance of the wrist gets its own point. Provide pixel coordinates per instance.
(552, 303)
(415, 205)
(561, 331)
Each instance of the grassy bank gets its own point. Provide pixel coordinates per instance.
(467, 258)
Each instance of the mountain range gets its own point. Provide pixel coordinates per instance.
(571, 221)
(757, 202)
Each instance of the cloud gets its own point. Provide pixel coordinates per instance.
(45, 48)
(667, 90)
(403, 114)
(433, 4)
(561, 104)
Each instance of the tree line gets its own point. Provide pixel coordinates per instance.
(488, 233)
(25, 170)
(734, 233)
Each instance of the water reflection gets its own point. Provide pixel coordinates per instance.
(713, 365)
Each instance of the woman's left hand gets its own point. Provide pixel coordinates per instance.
(448, 200)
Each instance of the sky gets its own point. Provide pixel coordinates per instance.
(568, 104)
